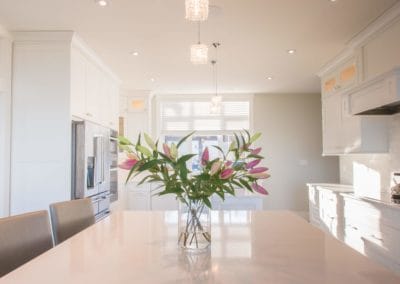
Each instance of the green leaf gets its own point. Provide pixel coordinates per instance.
(144, 150)
(144, 180)
(185, 158)
(138, 141)
(124, 141)
(246, 184)
(148, 165)
(255, 156)
(184, 139)
(237, 140)
(232, 146)
(132, 170)
(149, 141)
(248, 134)
(207, 202)
(183, 171)
(243, 140)
(255, 137)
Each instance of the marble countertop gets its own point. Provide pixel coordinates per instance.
(384, 199)
(335, 187)
(247, 247)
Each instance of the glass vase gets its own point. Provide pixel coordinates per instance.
(194, 226)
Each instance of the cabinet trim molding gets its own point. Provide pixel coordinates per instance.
(381, 23)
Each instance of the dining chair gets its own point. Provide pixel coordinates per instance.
(70, 217)
(22, 238)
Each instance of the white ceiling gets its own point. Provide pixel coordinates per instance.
(254, 36)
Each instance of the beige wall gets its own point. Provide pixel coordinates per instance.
(5, 120)
(376, 168)
(292, 144)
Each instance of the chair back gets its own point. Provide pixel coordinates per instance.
(70, 217)
(22, 238)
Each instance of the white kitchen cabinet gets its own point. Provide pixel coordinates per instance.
(343, 76)
(345, 133)
(335, 210)
(51, 71)
(381, 50)
(78, 83)
(94, 92)
(332, 125)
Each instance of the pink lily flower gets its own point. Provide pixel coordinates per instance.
(259, 189)
(133, 156)
(205, 157)
(258, 170)
(228, 164)
(167, 150)
(128, 164)
(256, 151)
(252, 164)
(216, 166)
(227, 173)
(260, 175)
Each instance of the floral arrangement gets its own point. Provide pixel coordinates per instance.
(239, 167)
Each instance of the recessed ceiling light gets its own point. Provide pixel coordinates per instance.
(102, 3)
(332, 0)
(269, 78)
(291, 51)
(152, 79)
(134, 53)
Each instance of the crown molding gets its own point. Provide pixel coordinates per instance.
(381, 23)
(66, 37)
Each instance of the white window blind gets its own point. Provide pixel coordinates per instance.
(180, 115)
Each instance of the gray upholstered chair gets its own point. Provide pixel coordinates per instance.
(70, 217)
(22, 238)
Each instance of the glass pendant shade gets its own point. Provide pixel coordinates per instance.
(197, 10)
(216, 102)
(199, 54)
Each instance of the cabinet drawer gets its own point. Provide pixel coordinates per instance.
(381, 255)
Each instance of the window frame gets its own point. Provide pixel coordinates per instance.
(159, 99)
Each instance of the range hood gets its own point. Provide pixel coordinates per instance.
(378, 96)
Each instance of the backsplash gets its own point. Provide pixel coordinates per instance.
(373, 172)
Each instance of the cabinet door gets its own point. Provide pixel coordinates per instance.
(78, 84)
(329, 84)
(348, 74)
(93, 78)
(332, 123)
(113, 103)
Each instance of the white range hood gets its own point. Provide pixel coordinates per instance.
(378, 96)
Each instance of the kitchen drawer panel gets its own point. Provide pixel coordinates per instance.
(353, 239)
(385, 257)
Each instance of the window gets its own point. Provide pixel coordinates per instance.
(177, 116)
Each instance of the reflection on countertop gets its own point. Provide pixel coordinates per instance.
(247, 247)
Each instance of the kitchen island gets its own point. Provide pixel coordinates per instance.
(247, 247)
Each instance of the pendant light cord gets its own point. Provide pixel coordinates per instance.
(198, 32)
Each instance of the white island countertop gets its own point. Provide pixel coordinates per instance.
(247, 247)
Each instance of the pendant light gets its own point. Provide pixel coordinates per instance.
(196, 10)
(199, 51)
(216, 100)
